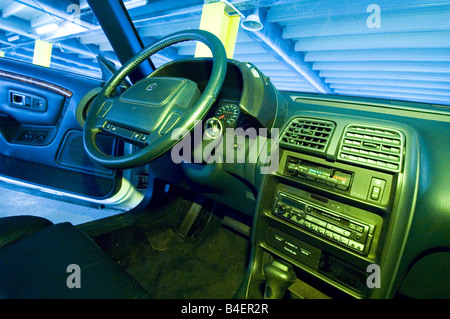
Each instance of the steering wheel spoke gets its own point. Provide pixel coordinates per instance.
(125, 134)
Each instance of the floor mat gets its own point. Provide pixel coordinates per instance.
(212, 268)
(209, 263)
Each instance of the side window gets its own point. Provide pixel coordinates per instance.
(54, 34)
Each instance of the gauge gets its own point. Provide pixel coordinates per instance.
(228, 114)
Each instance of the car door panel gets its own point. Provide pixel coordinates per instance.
(44, 147)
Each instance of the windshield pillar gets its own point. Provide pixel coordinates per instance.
(123, 36)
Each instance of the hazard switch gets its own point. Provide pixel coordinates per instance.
(375, 193)
(376, 189)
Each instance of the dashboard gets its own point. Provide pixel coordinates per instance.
(353, 192)
(360, 183)
(356, 188)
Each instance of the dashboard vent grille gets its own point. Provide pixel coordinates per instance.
(373, 146)
(308, 135)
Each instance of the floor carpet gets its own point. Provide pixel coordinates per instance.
(208, 263)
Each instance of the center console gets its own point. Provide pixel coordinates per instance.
(329, 212)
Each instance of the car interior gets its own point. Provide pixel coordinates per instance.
(241, 149)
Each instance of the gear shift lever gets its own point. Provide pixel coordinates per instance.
(279, 276)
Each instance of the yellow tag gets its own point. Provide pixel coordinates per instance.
(215, 20)
(233, 27)
(42, 53)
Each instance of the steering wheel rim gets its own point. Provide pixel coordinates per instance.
(157, 145)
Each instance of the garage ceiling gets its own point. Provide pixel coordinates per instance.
(338, 47)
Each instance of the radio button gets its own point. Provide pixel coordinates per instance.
(332, 184)
(353, 244)
(342, 187)
(289, 250)
(316, 221)
(305, 252)
(339, 230)
(291, 245)
(296, 212)
(291, 168)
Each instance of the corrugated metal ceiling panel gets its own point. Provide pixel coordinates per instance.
(406, 58)
(308, 46)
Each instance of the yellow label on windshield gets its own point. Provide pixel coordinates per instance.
(217, 21)
(42, 53)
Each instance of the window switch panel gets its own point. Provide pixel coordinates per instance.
(27, 101)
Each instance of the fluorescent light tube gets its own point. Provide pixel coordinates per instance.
(47, 28)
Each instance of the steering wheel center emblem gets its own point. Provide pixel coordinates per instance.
(151, 87)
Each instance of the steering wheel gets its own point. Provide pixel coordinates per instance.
(148, 112)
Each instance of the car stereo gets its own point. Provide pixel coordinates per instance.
(325, 222)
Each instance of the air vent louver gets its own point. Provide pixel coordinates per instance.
(308, 135)
(373, 146)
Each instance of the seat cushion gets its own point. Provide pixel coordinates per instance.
(13, 228)
(37, 267)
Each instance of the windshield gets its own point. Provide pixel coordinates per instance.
(397, 50)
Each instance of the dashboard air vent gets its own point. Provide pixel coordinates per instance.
(309, 135)
(373, 146)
